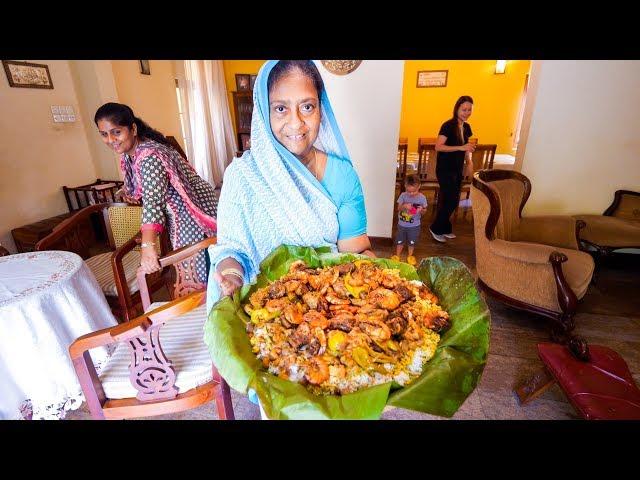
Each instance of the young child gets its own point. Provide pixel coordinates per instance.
(411, 204)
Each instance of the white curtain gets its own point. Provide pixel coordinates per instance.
(211, 144)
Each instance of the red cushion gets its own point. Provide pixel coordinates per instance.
(600, 389)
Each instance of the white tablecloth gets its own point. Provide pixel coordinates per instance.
(47, 300)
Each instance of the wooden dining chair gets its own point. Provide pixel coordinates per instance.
(401, 170)
(482, 159)
(160, 364)
(427, 158)
(115, 270)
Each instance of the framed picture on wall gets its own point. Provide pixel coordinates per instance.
(245, 140)
(432, 78)
(145, 69)
(243, 82)
(27, 75)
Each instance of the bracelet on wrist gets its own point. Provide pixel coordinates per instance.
(232, 271)
(147, 244)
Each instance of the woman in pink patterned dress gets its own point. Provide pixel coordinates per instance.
(173, 196)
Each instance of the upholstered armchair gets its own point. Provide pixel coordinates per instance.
(618, 227)
(531, 263)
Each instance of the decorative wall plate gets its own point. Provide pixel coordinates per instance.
(341, 67)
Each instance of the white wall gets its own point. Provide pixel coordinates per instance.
(152, 97)
(584, 140)
(38, 156)
(95, 86)
(367, 105)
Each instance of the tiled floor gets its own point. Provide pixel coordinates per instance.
(608, 315)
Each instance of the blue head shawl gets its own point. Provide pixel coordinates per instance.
(270, 198)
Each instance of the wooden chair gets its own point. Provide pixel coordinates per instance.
(427, 158)
(617, 228)
(401, 171)
(426, 141)
(144, 377)
(100, 191)
(116, 269)
(532, 263)
(481, 159)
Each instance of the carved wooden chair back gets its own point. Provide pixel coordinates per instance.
(145, 377)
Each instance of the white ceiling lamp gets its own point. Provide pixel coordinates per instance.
(501, 66)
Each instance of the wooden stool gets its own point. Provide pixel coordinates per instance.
(595, 379)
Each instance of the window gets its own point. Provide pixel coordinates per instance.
(181, 115)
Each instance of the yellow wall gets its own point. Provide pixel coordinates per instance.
(38, 156)
(496, 100)
(231, 67)
(152, 97)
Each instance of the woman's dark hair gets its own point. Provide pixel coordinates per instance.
(123, 116)
(461, 100)
(306, 67)
(454, 119)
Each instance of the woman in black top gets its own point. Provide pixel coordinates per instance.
(452, 146)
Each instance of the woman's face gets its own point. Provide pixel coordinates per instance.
(294, 112)
(464, 111)
(119, 139)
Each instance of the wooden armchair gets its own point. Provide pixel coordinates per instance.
(530, 263)
(618, 227)
(160, 364)
(116, 269)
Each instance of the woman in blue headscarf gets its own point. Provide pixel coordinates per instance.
(296, 185)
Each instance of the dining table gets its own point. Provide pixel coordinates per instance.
(47, 300)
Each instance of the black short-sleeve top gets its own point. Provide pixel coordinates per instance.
(453, 161)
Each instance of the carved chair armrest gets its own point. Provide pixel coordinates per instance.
(136, 327)
(556, 230)
(171, 258)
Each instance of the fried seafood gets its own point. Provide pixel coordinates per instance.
(339, 329)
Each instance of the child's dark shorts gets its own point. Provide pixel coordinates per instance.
(407, 235)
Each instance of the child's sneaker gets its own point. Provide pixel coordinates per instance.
(395, 258)
(411, 260)
(449, 235)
